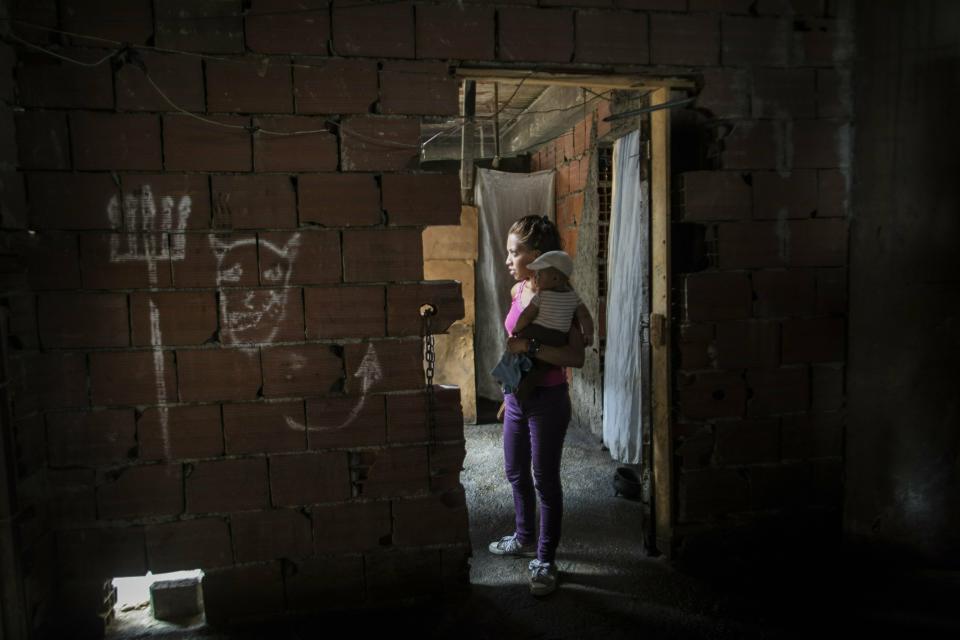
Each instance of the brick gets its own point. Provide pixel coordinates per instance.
(175, 599)
(401, 364)
(335, 580)
(119, 261)
(784, 486)
(782, 293)
(309, 478)
(780, 197)
(446, 463)
(335, 86)
(818, 243)
(831, 291)
(834, 94)
(179, 77)
(346, 422)
(404, 302)
(42, 140)
(753, 244)
(222, 260)
(833, 199)
(115, 141)
(813, 340)
(747, 344)
(83, 320)
(823, 43)
(131, 378)
(717, 296)
(128, 22)
(571, 209)
(820, 144)
(209, 375)
(310, 369)
(828, 483)
(812, 435)
(71, 498)
(696, 346)
(653, 5)
(59, 84)
(747, 40)
(305, 257)
(13, 200)
(695, 448)
(52, 260)
(339, 199)
(390, 473)
(422, 199)
(381, 255)
(259, 85)
(203, 543)
(712, 395)
(314, 150)
(715, 195)
(90, 438)
(747, 442)
(779, 93)
(260, 316)
(191, 432)
(102, 552)
(345, 312)
(789, 7)
(182, 193)
(372, 30)
(288, 26)
(407, 418)
(422, 88)
(369, 143)
(59, 380)
(455, 32)
(236, 594)
(70, 200)
(685, 39)
(826, 387)
(725, 93)
(22, 328)
(705, 493)
(184, 317)
(529, 34)
(611, 38)
(253, 201)
(777, 391)
(263, 427)
(219, 486)
(192, 145)
(136, 492)
(363, 526)
(438, 519)
(269, 535)
(208, 26)
(754, 144)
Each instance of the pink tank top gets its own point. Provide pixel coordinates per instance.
(556, 375)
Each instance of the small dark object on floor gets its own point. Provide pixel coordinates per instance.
(175, 600)
(627, 483)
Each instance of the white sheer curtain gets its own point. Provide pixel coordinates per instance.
(627, 359)
(502, 198)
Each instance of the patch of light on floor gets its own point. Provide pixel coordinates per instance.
(136, 590)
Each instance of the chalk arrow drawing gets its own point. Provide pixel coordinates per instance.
(370, 374)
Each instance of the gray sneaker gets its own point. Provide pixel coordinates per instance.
(510, 546)
(543, 577)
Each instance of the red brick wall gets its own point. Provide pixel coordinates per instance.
(320, 233)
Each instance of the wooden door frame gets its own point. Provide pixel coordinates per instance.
(661, 377)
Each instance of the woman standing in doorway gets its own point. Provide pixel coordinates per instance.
(533, 433)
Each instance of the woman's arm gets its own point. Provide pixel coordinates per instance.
(569, 356)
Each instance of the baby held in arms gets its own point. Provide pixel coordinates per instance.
(547, 318)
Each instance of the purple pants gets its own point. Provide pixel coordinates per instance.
(534, 434)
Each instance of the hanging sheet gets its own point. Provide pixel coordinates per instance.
(502, 198)
(627, 355)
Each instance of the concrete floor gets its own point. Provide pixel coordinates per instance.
(609, 588)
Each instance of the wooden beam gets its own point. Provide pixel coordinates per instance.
(575, 79)
(660, 321)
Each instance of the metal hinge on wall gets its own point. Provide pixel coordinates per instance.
(644, 329)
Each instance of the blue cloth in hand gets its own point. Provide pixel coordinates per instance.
(510, 369)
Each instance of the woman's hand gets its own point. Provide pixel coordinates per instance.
(517, 345)
(570, 355)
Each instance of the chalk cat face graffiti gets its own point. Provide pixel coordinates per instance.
(253, 315)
